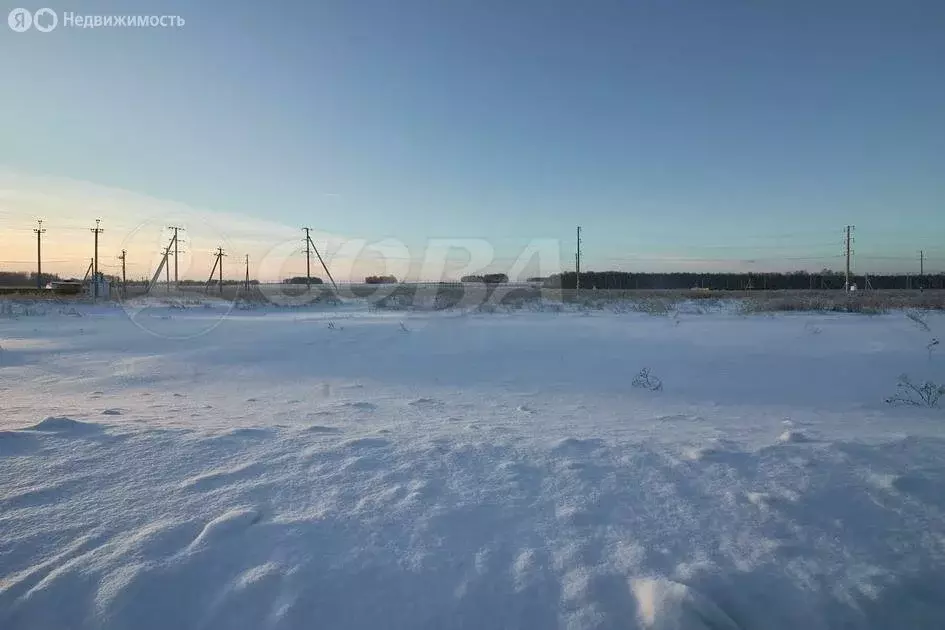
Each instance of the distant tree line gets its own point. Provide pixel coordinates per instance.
(302, 280)
(183, 283)
(380, 280)
(489, 278)
(25, 279)
(798, 280)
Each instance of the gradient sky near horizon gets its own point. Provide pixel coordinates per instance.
(697, 134)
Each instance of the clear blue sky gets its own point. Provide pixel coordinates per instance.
(701, 129)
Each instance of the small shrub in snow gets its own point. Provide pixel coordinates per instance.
(645, 380)
(655, 306)
(16, 310)
(916, 395)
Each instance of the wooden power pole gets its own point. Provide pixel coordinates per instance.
(217, 264)
(176, 254)
(96, 231)
(124, 276)
(577, 262)
(39, 254)
(308, 258)
(311, 245)
(848, 250)
(246, 283)
(167, 270)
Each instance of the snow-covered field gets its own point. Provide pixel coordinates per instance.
(349, 468)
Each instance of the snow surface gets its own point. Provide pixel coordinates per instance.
(205, 467)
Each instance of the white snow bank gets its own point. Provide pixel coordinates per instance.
(363, 530)
(479, 472)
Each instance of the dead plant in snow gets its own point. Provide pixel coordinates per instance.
(926, 394)
(919, 320)
(645, 380)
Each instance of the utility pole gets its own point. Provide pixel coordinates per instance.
(220, 254)
(308, 258)
(217, 263)
(167, 271)
(176, 253)
(921, 262)
(320, 259)
(246, 285)
(124, 277)
(848, 250)
(577, 261)
(96, 230)
(39, 254)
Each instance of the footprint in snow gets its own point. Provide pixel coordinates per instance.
(424, 402)
(678, 418)
(320, 428)
(362, 406)
(574, 445)
(366, 443)
(794, 437)
(322, 413)
(248, 433)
